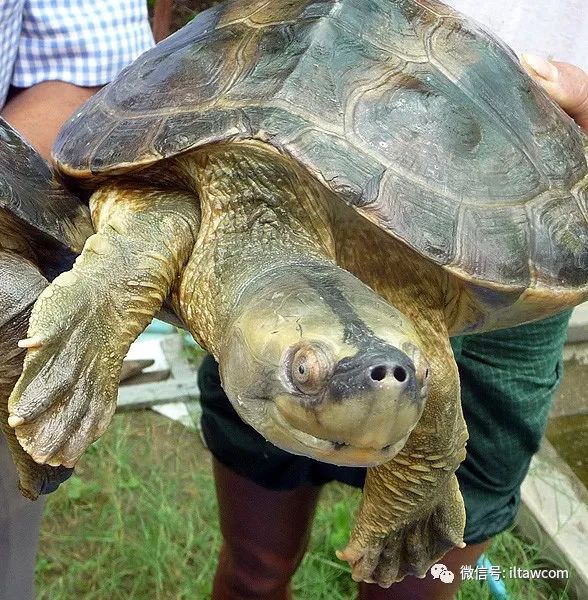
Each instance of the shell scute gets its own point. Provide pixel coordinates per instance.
(487, 77)
(420, 126)
(175, 77)
(427, 219)
(52, 220)
(261, 13)
(348, 172)
(559, 250)
(414, 116)
(137, 133)
(495, 231)
(185, 130)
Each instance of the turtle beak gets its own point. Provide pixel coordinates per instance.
(365, 411)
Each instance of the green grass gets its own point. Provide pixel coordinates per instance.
(138, 520)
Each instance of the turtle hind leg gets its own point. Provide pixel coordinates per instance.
(20, 284)
(82, 325)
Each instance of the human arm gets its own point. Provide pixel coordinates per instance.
(38, 112)
(64, 54)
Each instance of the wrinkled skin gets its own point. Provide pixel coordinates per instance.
(83, 324)
(20, 284)
(397, 116)
(274, 272)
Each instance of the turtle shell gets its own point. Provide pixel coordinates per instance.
(411, 114)
(54, 221)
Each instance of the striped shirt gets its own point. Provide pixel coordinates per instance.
(84, 42)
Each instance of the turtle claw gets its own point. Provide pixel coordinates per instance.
(15, 421)
(364, 560)
(66, 394)
(360, 559)
(34, 342)
(410, 549)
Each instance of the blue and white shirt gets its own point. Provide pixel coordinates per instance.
(84, 42)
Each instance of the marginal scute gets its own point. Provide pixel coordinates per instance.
(280, 125)
(493, 242)
(560, 250)
(136, 133)
(186, 130)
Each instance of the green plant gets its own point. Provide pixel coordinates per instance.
(139, 521)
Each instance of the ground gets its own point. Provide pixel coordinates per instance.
(138, 521)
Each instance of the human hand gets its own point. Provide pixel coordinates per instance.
(565, 83)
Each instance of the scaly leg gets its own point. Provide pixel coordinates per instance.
(82, 325)
(412, 511)
(20, 284)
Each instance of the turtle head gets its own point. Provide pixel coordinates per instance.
(321, 365)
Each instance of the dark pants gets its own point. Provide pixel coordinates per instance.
(20, 522)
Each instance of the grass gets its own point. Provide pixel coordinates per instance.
(138, 521)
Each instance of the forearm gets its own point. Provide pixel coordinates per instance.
(39, 112)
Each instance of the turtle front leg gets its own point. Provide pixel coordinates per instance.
(412, 512)
(20, 284)
(82, 325)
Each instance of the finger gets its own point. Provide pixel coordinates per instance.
(565, 83)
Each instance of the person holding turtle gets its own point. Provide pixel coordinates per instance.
(508, 380)
(259, 282)
(55, 55)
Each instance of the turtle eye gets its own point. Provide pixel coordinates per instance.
(310, 368)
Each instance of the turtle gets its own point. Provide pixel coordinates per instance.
(326, 191)
(42, 229)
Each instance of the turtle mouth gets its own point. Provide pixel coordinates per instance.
(287, 436)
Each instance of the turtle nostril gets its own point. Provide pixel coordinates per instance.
(378, 373)
(400, 374)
